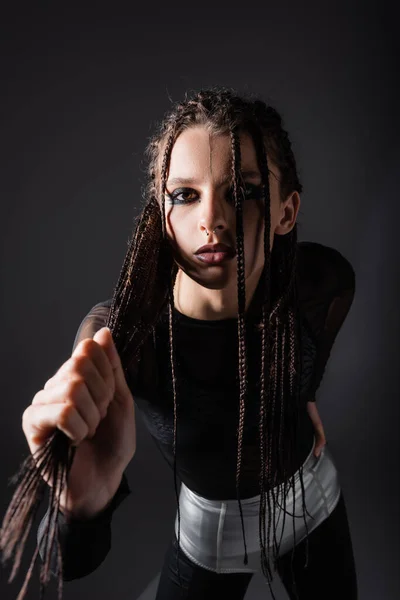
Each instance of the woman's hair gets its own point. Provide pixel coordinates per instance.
(145, 288)
(225, 112)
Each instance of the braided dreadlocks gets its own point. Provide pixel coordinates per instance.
(145, 288)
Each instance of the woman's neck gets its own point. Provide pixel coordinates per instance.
(198, 302)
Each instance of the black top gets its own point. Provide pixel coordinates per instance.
(208, 399)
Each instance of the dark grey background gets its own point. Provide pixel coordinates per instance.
(80, 93)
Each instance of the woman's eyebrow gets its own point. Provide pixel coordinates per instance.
(189, 180)
(250, 174)
(181, 181)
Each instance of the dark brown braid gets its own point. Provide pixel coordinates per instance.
(163, 184)
(241, 287)
(145, 287)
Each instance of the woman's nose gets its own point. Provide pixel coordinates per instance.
(213, 212)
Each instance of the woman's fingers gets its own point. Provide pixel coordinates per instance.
(76, 392)
(86, 351)
(320, 439)
(319, 444)
(77, 397)
(122, 391)
(38, 421)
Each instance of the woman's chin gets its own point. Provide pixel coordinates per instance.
(213, 278)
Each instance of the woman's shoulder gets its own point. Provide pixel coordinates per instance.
(102, 306)
(100, 309)
(95, 319)
(326, 287)
(323, 270)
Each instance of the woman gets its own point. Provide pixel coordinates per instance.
(240, 319)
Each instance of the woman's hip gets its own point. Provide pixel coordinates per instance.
(211, 531)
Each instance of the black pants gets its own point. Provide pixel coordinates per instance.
(330, 574)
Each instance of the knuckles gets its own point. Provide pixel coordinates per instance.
(74, 386)
(78, 363)
(71, 383)
(73, 391)
(37, 396)
(88, 348)
(25, 419)
(65, 416)
(103, 408)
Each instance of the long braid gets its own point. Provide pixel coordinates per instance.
(265, 362)
(268, 346)
(241, 290)
(288, 291)
(163, 184)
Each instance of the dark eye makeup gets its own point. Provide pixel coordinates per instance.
(250, 191)
(185, 195)
(182, 195)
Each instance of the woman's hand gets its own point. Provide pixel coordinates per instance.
(320, 439)
(89, 400)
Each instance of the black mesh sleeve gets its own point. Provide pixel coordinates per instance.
(85, 543)
(328, 289)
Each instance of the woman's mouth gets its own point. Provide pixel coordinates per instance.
(214, 258)
(214, 254)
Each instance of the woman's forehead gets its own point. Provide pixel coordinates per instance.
(199, 152)
(198, 149)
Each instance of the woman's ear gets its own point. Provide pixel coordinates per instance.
(288, 213)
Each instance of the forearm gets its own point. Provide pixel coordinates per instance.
(84, 543)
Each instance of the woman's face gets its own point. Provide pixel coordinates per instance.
(199, 200)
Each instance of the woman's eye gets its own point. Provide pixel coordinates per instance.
(249, 192)
(188, 195)
(182, 196)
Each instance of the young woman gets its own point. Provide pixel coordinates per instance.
(237, 322)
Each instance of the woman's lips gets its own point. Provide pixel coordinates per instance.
(214, 258)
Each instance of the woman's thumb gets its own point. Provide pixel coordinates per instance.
(104, 337)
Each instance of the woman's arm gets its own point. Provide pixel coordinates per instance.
(85, 543)
(327, 289)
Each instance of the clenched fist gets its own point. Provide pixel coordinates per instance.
(89, 400)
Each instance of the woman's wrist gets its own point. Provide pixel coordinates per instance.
(95, 503)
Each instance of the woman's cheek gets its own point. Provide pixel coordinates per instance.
(179, 241)
(173, 225)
